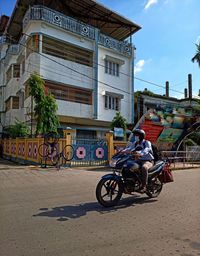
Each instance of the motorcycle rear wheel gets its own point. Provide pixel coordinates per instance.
(154, 188)
(109, 192)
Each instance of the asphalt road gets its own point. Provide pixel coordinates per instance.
(55, 213)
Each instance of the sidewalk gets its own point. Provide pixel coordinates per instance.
(5, 163)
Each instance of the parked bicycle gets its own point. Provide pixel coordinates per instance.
(50, 149)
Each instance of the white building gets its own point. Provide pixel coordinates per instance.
(82, 50)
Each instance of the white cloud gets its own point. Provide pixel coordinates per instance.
(139, 66)
(149, 3)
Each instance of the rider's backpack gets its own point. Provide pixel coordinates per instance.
(156, 153)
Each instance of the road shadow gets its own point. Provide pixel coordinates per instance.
(67, 212)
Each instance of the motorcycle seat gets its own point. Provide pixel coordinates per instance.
(155, 166)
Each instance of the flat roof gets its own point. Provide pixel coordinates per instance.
(88, 11)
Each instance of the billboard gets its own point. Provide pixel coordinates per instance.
(166, 126)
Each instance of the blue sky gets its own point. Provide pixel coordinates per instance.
(165, 44)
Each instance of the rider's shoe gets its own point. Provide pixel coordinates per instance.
(127, 191)
(143, 190)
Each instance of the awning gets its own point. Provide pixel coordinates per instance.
(113, 59)
(88, 11)
(113, 94)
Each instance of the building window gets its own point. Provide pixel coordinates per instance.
(85, 134)
(16, 70)
(12, 103)
(32, 45)
(67, 51)
(13, 71)
(112, 102)
(68, 93)
(111, 68)
(15, 102)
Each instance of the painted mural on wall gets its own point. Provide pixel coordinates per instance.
(166, 126)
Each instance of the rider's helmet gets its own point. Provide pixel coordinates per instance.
(139, 132)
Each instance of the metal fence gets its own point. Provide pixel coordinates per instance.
(179, 159)
(89, 152)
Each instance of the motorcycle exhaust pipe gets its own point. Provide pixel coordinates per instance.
(156, 172)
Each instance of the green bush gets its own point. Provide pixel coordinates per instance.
(19, 129)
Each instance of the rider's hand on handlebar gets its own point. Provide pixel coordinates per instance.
(136, 155)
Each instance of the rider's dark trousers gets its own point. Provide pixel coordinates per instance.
(144, 166)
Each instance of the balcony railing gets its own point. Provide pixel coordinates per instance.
(58, 19)
(114, 44)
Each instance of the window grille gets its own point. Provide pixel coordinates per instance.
(16, 70)
(112, 102)
(111, 68)
(15, 102)
(69, 93)
(67, 51)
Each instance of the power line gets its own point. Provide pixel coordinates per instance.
(180, 83)
(76, 71)
(142, 80)
(127, 101)
(176, 104)
(157, 85)
(106, 84)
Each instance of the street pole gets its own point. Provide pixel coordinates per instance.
(31, 116)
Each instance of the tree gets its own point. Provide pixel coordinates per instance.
(118, 121)
(19, 129)
(45, 106)
(197, 55)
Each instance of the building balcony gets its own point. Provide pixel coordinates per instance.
(67, 23)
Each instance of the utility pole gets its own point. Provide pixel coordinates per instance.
(190, 86)
(31, 116)
(167, 89)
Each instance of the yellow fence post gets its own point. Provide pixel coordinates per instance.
(25, 149)
(17, 147)
(109, 138)
(68, 136)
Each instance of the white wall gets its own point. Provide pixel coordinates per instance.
(12, 88)
(114, 84)
(66, 108)
(12, 116)
(50, 67)
(64, 73)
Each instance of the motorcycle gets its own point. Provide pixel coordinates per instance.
(110, 188)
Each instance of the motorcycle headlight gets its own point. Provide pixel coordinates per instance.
(113, 162)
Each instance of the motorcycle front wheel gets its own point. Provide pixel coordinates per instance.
(109, 192)
(154, 187)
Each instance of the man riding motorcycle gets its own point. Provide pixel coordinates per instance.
(143, 158)
(139, 154)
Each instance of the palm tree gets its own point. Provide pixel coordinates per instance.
(197, 55)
